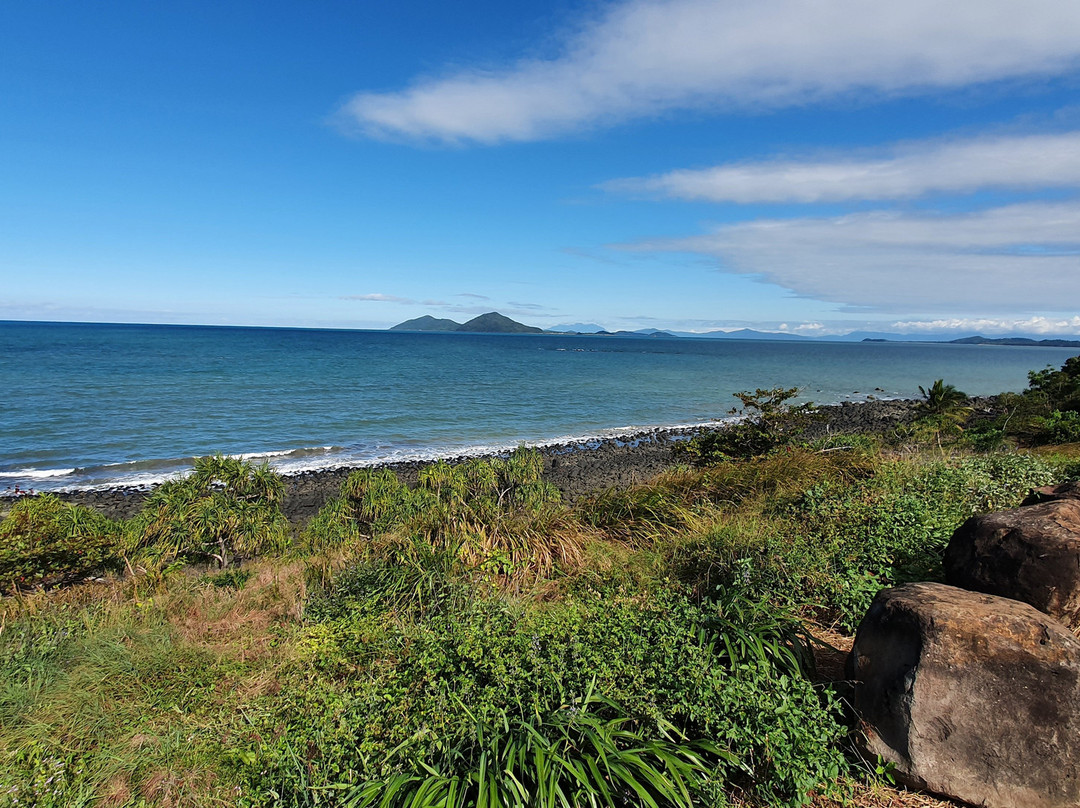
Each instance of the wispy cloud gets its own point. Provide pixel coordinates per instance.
(1048, 326)
(377, 297)
(1018, 258)
(380, 298)
(472, 296)
(908, 170)
(644, 57)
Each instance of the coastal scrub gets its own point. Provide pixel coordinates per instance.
(46, 542)
(225, 507)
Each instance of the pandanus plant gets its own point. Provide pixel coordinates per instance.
(226, 506)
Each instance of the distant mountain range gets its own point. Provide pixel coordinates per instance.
(495, 323)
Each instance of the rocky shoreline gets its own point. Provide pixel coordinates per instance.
(576, 469)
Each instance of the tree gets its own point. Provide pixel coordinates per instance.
(767, 420)
(943, 399)
(1060, 389)
(943, 409)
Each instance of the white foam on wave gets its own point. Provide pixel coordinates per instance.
(36, 474)
(346, 460)
(291, 462)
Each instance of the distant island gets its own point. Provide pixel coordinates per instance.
(495, 323)
(1046, 343)
(490, 323)
(1028, 341)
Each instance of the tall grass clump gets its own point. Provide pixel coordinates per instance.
(590, 753)
(225, 508)
(496, 515)
(45, 542)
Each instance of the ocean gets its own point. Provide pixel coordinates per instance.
(95, 405)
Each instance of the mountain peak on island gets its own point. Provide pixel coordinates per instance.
(495, 323)
(427, 323)
(490, 323)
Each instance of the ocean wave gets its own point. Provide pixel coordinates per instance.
(36, 474)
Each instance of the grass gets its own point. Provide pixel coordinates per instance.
(472, 636)
(496, 516)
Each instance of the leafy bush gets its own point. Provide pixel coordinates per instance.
(45, 541)
(225, 507)
(1060, 389)
(829, 543)
(1058, 427)
(767, 421)
(387, 699)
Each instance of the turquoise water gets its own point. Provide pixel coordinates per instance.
(100, 405)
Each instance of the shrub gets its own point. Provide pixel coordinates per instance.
(225, 507)
(767, 421)
(942, 399)
(828, 542)
(45, 541)
(1058, 427)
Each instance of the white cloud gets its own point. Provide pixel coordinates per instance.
(1049, 326)
(644, 57)
(806, 329)
(911, 170)
(1019, 258)
(380, 298)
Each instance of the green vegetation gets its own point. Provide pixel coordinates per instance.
(495, 515)
(225, 507)
(766, 421)
(1048, 412)
(474, 640)
(45, 542)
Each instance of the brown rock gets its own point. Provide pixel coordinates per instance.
(1052, 493)
(1030, 554)
(970, 696)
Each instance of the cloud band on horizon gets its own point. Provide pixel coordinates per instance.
(1016, 258)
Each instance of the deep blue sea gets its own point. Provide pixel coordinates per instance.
(101, 405)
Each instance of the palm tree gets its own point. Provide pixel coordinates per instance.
(943, 399)
(943, 409)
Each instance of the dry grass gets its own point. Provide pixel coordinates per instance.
(831, 649)
(1069, 450)
(244, 623)
(878, 795)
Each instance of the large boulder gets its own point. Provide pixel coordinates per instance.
(971, 696)
(1051, 493)
(1030, 554)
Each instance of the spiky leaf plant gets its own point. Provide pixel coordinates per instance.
(225, 507)
(588, 754)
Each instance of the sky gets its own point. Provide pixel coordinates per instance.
(786, 165)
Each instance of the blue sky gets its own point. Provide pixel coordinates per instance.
(810, 167)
